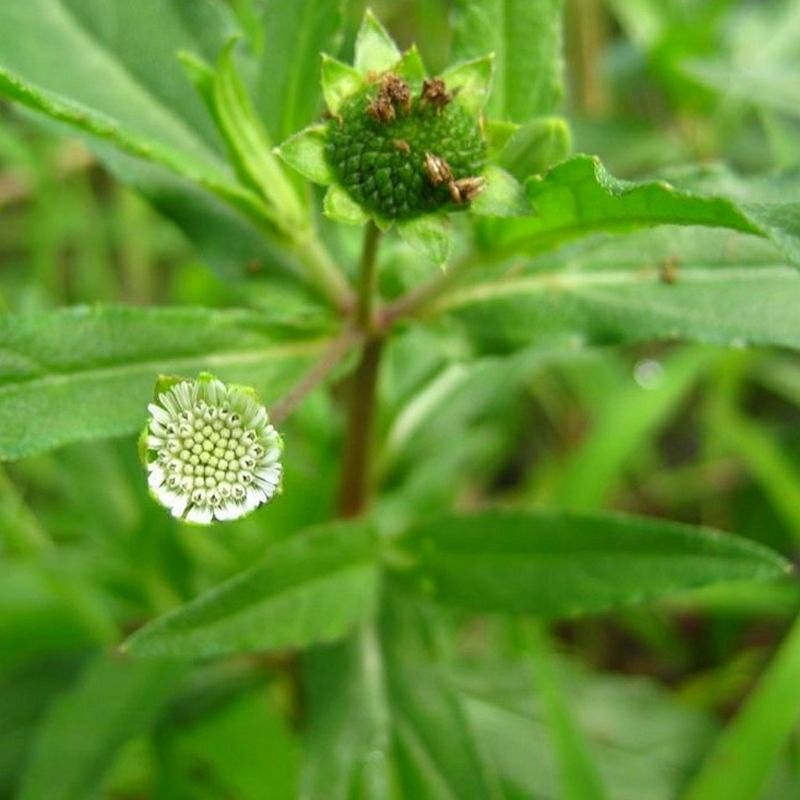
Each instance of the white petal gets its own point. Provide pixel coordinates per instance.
(271, 475)
(155, 442)
(157, 428)
(180, 505)
(158, 413)
(183, 394)
(167, 399)
(156, 476)
(255, 497)
(202, 515)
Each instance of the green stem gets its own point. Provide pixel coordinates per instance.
(324, 274)
(357, 456)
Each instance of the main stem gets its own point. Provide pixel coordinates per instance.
(357, 457)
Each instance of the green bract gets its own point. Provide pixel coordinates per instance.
(398, 146)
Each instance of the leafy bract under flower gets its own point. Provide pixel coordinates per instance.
(211, 452)
(401, 147)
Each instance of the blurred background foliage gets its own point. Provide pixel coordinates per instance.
(695, 434)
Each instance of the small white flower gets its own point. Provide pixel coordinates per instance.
(211, 452)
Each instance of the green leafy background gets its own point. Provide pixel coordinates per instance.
(575, 580)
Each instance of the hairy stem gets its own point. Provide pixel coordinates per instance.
(357, 456)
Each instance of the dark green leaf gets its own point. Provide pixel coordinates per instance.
(697, 285)
(114, 700)
(559, 565)
(295, 33)
(313, 588)
(90, 372)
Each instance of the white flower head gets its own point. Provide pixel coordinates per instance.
(211, 452)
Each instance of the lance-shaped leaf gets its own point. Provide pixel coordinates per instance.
(534, 147)
(90, 372)
(674, 283)
(313, 588)
(562, 565)
(579, 197)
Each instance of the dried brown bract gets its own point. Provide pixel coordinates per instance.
(668, 270)
(437, 170)
(435, 93)
(397, 90)
(466, 189)
(381, 109)
(402, 145)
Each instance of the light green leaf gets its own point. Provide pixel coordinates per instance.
(375, 49)
(347, 735)
(579, 197)
(502, 196)
(562, 565)
(429, 235)
(536, 146)
(305, 152)
(436, 749)
(312, 588)
(525, 36)
(339, 81)
(578, 772)
(743, 758)
(384, 721)
(90, 372)
(340, 207)
(106, 130)
(473, 82)
(113, 701)
(250, 147)
(295, 33)
(693, 284)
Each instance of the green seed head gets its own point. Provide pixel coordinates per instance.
(401, 153)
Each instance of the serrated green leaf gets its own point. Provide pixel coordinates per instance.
(375, 49)
(743, 758)
(525, 36)
(579, 197)
(90, 372)
(295, 33)
(429, 235)
(305, 152)
(536, 146)
(669, 284)
(86, 121)
(113, 701)
(313, 588)
(339, 81)
(472, 80)
(562, 565)
(340, 207)
(502, 196)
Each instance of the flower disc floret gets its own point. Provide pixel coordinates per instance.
(378, 151)
(211, 452)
